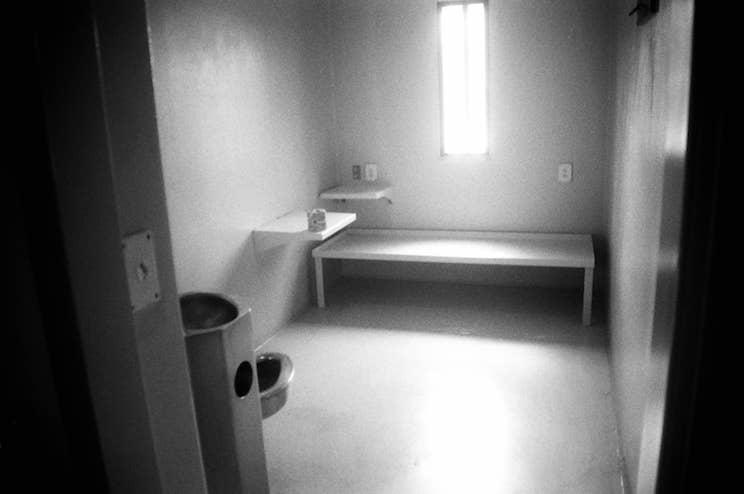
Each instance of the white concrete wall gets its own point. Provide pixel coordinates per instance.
(649, 140)
(244, 113)
(549, 79)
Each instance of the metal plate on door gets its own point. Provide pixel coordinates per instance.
(142, 271)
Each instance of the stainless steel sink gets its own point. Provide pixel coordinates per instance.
(201, 311)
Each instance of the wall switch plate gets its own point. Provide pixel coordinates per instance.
(356, 172)
(370, 172)
(142, 271)
(565, 172)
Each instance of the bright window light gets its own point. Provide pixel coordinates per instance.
(462, 27)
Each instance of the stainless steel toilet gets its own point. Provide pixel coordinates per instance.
(275, 372)
(224, 384)
(205, 313)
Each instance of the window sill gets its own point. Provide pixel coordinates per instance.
(464, 158)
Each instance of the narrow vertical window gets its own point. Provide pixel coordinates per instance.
(462, 31)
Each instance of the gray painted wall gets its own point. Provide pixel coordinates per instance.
(650, 125)
(244, 115)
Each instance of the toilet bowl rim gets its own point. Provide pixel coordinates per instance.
(286, 372)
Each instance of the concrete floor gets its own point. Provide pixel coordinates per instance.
(438, 388)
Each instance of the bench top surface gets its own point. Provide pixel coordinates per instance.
(522, 249)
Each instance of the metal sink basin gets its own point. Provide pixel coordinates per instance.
(201, 310)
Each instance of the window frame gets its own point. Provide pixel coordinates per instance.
(464, 156)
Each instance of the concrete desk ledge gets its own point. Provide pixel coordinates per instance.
(293, 227)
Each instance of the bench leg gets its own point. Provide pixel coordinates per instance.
(319, 289)
(588, 286)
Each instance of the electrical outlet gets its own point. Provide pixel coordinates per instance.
(565, 172)
(356, 172)
(370, 172)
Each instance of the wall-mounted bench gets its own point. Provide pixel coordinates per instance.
(508, 249)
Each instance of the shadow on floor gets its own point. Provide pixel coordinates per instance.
(551, 315)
